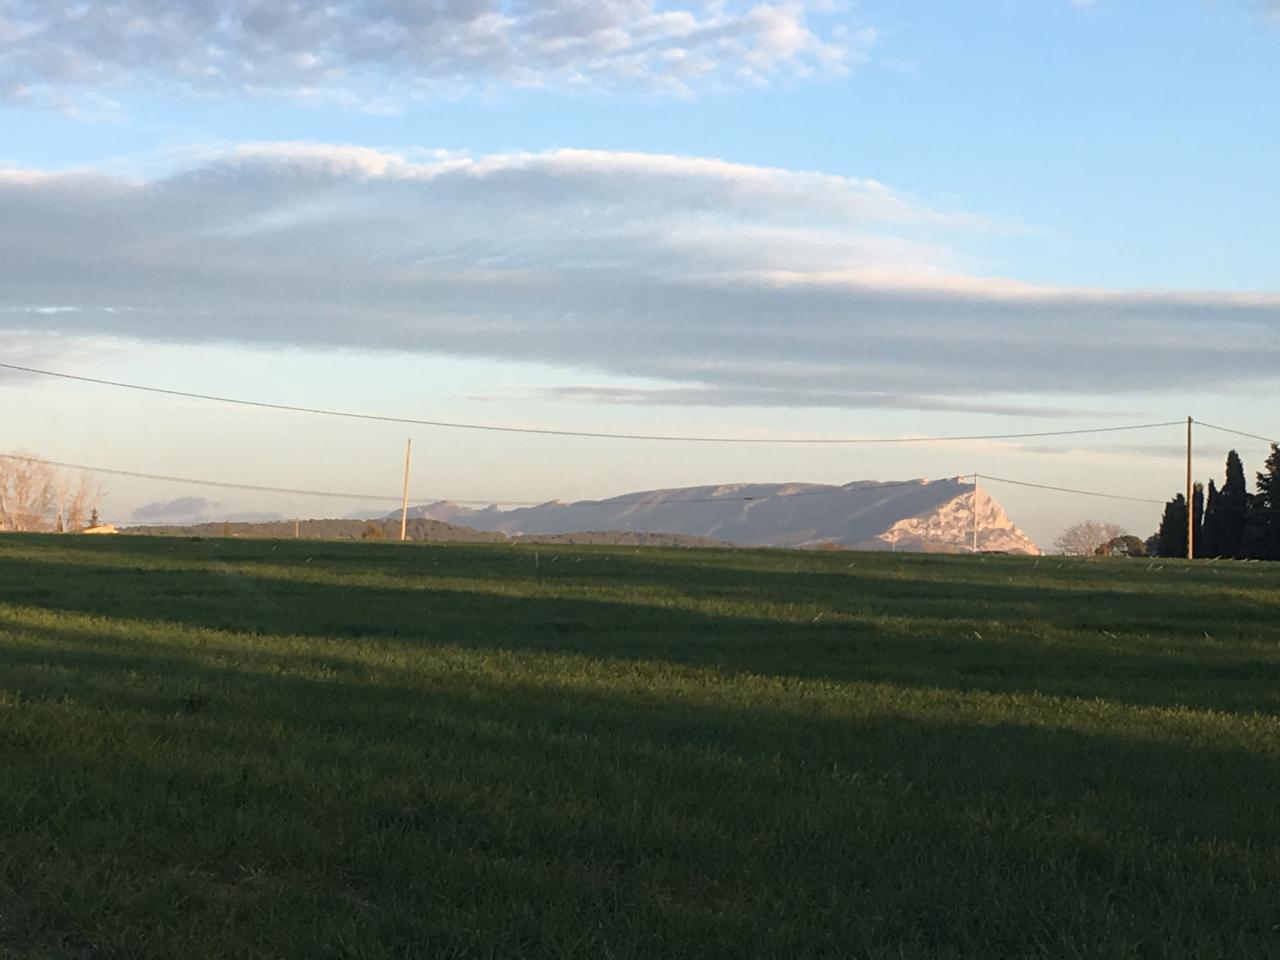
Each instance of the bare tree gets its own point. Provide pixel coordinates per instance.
(1083, 539)
(35, 495)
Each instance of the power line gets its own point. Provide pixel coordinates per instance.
(619, 501)
(1083, 493)
(616, 501)
(342, 495)
(1238, 433)
(193, 481)
(602, 435)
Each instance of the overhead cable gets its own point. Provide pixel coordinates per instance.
(592, 434)
(1238, 433)
(342, 495)
(1083, 493)
(193, 481)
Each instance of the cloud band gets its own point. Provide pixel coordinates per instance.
(736, 284)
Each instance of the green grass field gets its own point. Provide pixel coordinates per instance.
(228, 748)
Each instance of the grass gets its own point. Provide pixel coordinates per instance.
(228, 748)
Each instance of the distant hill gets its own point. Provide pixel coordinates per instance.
(918, 515)
(419, 529)
(915, 515)
(622, 538)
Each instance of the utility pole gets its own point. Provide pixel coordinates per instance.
(404, 504)
(295, 528)
(975, 513)
(1191, 514)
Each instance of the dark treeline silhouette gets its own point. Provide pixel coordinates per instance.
(1228, 521)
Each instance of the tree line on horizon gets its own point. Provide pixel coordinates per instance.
(37, 496)
(1227, 522)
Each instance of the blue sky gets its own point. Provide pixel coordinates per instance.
(790, 218)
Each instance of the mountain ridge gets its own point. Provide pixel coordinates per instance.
(919, 514)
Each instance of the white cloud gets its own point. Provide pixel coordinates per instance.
(372, 51)
(1269, 9)
(33, 338)
(735, 284)
(15, 94)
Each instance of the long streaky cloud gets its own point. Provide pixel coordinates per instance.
(729, 283)
(375, 53)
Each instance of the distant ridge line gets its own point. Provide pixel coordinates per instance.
(422, 501)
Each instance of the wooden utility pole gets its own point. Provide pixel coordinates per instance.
(404, 503)
(1191, 513)
(975, 513)
(295, 529)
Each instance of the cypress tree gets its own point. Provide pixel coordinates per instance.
(1197, 520)
(1210, 536)
(1171, 539)
(1255, 531)
(1232, 505)
(1264, 533)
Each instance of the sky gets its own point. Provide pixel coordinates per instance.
(786, 219)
